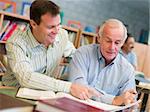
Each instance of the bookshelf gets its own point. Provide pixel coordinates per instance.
(7, 16)
(86, 38)
(12, 17)
(73, 34)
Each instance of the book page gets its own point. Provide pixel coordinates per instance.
(34, 94)
(96, 104)
(88, 102)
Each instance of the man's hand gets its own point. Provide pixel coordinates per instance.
(126, 98)
(83, 92)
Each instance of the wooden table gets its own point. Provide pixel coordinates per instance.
(11, 91)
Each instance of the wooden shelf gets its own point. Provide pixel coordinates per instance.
(88, 34)
(14, 15)
(70, 28)
(7, 87)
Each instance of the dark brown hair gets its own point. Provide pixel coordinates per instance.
(41, 7)
(128, 36)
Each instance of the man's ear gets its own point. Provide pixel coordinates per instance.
(98, 39)
(33, 24)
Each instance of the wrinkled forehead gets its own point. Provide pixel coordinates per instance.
(114, 31)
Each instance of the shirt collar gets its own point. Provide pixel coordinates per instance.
(121, 52)
(33, 42)
(100, 57)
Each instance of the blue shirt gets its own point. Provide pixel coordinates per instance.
(88, 67)
(131, 57)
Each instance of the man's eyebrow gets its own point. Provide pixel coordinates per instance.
(53, 25)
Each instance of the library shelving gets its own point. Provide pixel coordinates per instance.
(73, 34)
(12, 17)
(5, 17)
(86, 38)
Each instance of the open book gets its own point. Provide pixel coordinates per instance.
(41, 95)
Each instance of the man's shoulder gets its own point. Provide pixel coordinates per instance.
(17, 36)
(62, 31)
(133, 54)
(62, 35)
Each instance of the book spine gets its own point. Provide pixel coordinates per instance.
(10, 31)
(7, 24)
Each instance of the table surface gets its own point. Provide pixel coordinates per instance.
(10, 91)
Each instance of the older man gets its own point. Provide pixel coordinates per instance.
(103, 68)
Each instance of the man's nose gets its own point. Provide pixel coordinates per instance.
(112, 45)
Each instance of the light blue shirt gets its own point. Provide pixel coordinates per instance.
(131, 57)
(88, 67)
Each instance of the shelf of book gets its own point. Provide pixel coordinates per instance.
(4, 14)
(11, 16)
(9, 22)
(73, 34)
(86, 38)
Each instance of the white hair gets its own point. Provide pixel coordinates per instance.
(112, 23)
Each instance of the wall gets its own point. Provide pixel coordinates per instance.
(94, 12)
(143, 53)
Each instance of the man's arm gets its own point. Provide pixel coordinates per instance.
(27, 77)
(24, 72)
(128, 90)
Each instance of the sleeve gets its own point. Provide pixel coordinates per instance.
(78, 68)
(23, 70)
(105, 98)
(69, 49)
(128, 80)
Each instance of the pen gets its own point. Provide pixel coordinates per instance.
(101, 91)
(97, 98)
